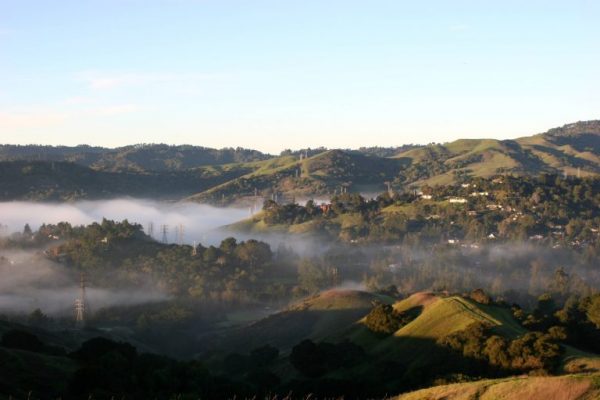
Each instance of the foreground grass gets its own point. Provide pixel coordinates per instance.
(568, 387)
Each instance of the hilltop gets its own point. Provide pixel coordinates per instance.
(571, 149)
(247, 176)
(134, 158)
(324, 174)
(419, 344)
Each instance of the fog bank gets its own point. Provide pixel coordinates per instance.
(198, 220)
(29, 281)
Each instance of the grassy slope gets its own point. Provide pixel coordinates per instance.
(439, 316)
(320, 174)
(318, 317)
(569, 387)
(547, 152)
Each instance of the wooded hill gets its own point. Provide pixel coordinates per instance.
(232, 175)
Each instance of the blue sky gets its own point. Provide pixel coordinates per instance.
(288, 74)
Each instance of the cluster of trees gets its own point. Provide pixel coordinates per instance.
(479, 347)
(509, 208)
(574, 319)
(119, 253)
(385, 320)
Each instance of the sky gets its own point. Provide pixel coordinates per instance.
(272, 75)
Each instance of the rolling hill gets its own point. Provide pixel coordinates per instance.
(409, 358)
(324, 174)
(318, 318)
(571, 149)
(339, 315)
(244, 176)
(65, 181)
(136, 158)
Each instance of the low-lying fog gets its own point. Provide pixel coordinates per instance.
(29, 281)
(198, 220)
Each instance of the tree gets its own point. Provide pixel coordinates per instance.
(38, 318)
(383, 319)
(593, 311)
(27, 230)
(311, 277)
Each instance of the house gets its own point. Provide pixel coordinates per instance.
(453, 241)
(491, 236)
(536, 237)
(394, 267)
(325, 207)
(426, 196)
(458, 200)
(475, 194)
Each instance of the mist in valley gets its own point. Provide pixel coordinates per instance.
(29, 281)
(199, 221)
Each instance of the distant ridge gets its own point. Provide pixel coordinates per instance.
(240, 175)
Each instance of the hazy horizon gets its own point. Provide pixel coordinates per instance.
(265, 151)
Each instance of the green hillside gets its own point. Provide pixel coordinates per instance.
(324, 174)
(572, 149)
(438, 316)
(318, 318)
(46, 180)
(134, 158)
(229, 176)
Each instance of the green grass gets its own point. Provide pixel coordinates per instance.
(452, 314)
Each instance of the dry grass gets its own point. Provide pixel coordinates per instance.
(572, 387)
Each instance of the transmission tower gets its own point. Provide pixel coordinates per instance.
(151, 229)
(180, 232)
(194, 249)
(389, 188)
(81, 307)
(165, 233)
(335, 277)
